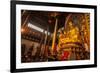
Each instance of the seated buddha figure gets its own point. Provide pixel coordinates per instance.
(68, 38)
(73, 33)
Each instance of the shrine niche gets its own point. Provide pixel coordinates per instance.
(75, 35)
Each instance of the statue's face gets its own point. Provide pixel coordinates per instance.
(70, 25)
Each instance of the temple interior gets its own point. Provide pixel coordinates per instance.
(54, 36)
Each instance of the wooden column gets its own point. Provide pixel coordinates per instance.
(54, 36)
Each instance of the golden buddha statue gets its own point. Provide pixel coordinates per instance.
(67, 39)
(73, 33)
(69, 36)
